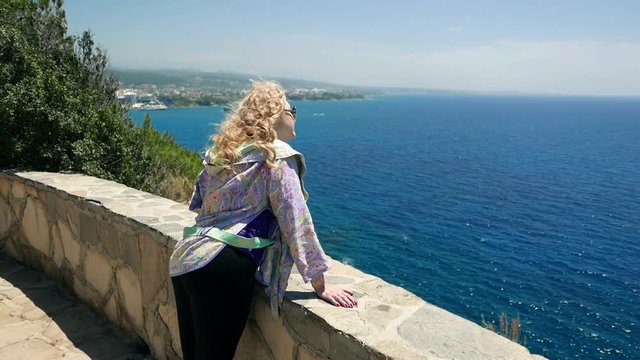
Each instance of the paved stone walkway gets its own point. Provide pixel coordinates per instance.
(41, 320)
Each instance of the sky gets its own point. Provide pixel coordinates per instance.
(569, 47)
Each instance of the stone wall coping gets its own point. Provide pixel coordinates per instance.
(390, 322)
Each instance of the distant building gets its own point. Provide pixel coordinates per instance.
(127, 96)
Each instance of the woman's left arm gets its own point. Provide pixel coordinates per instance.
(333, 294)
(291, 211)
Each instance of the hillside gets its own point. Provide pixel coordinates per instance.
(222, 80)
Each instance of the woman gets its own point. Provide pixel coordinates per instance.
(252, 215)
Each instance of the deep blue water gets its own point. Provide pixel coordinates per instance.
(481, 205)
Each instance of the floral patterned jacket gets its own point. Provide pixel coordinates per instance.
(229, 201)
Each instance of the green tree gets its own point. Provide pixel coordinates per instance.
(58, 109)
(57, 102)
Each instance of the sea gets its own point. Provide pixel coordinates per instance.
(527, 206)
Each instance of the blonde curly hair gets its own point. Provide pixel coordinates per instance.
(252, 120)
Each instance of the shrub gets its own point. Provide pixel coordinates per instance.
(58, 109)
(507, 328)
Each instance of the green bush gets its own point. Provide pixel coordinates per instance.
(58, 109)
(172, 168)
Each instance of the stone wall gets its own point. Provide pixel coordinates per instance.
(110, 244)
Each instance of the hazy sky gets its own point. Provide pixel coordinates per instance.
(558, 46)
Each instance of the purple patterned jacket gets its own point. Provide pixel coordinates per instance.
(230, 201)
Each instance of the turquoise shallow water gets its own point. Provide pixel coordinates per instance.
(481, 205)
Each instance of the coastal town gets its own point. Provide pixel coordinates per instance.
(149, 96)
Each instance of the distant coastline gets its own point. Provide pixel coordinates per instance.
(162, 89)
(163, 103)
(192, 88)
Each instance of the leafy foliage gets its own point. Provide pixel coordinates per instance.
(173, 169)
(58, 109)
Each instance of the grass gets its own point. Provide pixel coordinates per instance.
(177, 188)
(509, 328)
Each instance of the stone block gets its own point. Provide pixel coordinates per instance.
(78, 192)
(163, 294)
(274, 332)
(387, 293)
(18, 190)
(121, 209)
(157, 347)
(171, 299)
(130, 295)
(17, 209)
(304, 353)
(5, 187)
(72, 248)
(380, 317)
(86, 293)
(307, 328)
(72, 209)
(154, 265)
(6, 217)
(88, 229)
(251, 345)
(126, 228)
(170, 319)
(344, 346)
(97, 271)
(455, 337)
(155, 334)
(57, 249)
(31, 190)
(35, 226)
(109, 238)
(394, 348)
(111, 310)
(51, 202)
(340, 319)
(131, 252)
(168, 228)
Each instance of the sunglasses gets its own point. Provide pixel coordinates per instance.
(293, 111)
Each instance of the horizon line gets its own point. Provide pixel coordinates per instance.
(381, 87)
